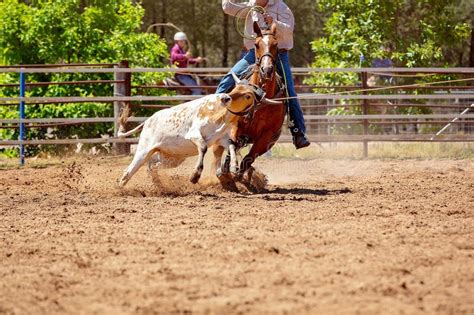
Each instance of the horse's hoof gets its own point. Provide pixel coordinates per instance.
(250, 173)
(227, 182)
(238, 177)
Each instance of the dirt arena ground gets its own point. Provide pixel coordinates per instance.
(326, 237)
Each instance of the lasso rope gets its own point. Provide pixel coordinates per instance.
(238, 19)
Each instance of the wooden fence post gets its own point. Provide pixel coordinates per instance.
(365, 112)
(123, 87)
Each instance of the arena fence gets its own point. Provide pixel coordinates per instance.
(387, 104)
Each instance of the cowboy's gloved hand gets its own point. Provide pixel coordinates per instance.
(268, 19)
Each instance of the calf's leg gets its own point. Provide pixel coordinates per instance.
(224, 178)
(233, 158)
(138, 160)
(218, 151)
(202, 148)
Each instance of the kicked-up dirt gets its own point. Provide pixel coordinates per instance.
(325, 237)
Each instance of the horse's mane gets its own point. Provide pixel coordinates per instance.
(267, 30)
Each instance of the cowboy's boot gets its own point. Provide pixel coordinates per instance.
(300, 141)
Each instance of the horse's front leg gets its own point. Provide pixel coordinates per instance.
(258, 148)
(262, 145)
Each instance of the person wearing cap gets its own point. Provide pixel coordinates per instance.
(279, 13)
(181, 59)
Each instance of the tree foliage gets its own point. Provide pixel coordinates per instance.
(73, 31)
(67, 31)
(422, 32)
(213, 35)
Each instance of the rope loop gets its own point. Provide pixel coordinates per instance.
(238, 18)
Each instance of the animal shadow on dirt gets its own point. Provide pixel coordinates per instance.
(299, 193)
(308, 191)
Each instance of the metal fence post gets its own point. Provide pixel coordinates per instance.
(365, 109)
(123, 87)
(21, 109)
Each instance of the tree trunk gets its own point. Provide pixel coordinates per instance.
(164, 17)
(225, 41)
(82, 6)
(153, 17)
(471, 54)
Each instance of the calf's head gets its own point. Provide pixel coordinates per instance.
(241, 99)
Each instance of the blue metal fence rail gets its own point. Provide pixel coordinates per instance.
(22, 117)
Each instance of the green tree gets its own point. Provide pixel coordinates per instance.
(422, 33)
(73, 31)
(213, 35)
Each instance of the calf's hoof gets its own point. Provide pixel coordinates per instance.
(234, 170)
(195, 178)
(222, 171)
(122, 181)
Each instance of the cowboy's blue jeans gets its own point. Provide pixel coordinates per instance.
(284, 69)
(188, 80)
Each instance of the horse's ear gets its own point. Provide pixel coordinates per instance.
(257, 29)
(273, 28)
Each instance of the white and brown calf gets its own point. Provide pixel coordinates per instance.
(171, 135)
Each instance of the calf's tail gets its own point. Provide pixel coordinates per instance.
(121, 134)
(123, 121)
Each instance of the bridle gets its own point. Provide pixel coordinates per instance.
(267, 54)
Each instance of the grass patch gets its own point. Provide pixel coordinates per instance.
(379, 150)
(36, 163)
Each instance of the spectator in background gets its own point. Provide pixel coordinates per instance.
(181, 59)
(384, 62)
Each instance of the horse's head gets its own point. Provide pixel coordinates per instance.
(266, 51)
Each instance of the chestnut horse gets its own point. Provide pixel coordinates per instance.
(263, 127)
